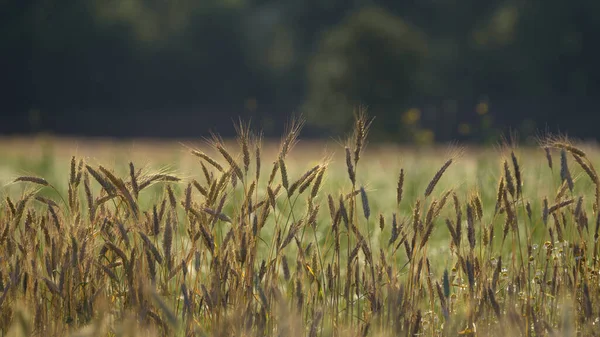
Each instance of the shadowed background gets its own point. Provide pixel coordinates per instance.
(428, 70)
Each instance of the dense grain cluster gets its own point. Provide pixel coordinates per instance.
(230, 254)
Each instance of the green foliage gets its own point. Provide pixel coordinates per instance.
(136, 60)
(370, 58)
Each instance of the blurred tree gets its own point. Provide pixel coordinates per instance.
(370, 58)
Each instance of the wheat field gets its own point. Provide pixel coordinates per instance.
(253, 237)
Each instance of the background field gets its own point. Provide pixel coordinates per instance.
(476, 167)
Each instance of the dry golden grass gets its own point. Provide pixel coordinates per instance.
(367, 241)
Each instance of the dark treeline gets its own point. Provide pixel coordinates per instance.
(429, 70)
